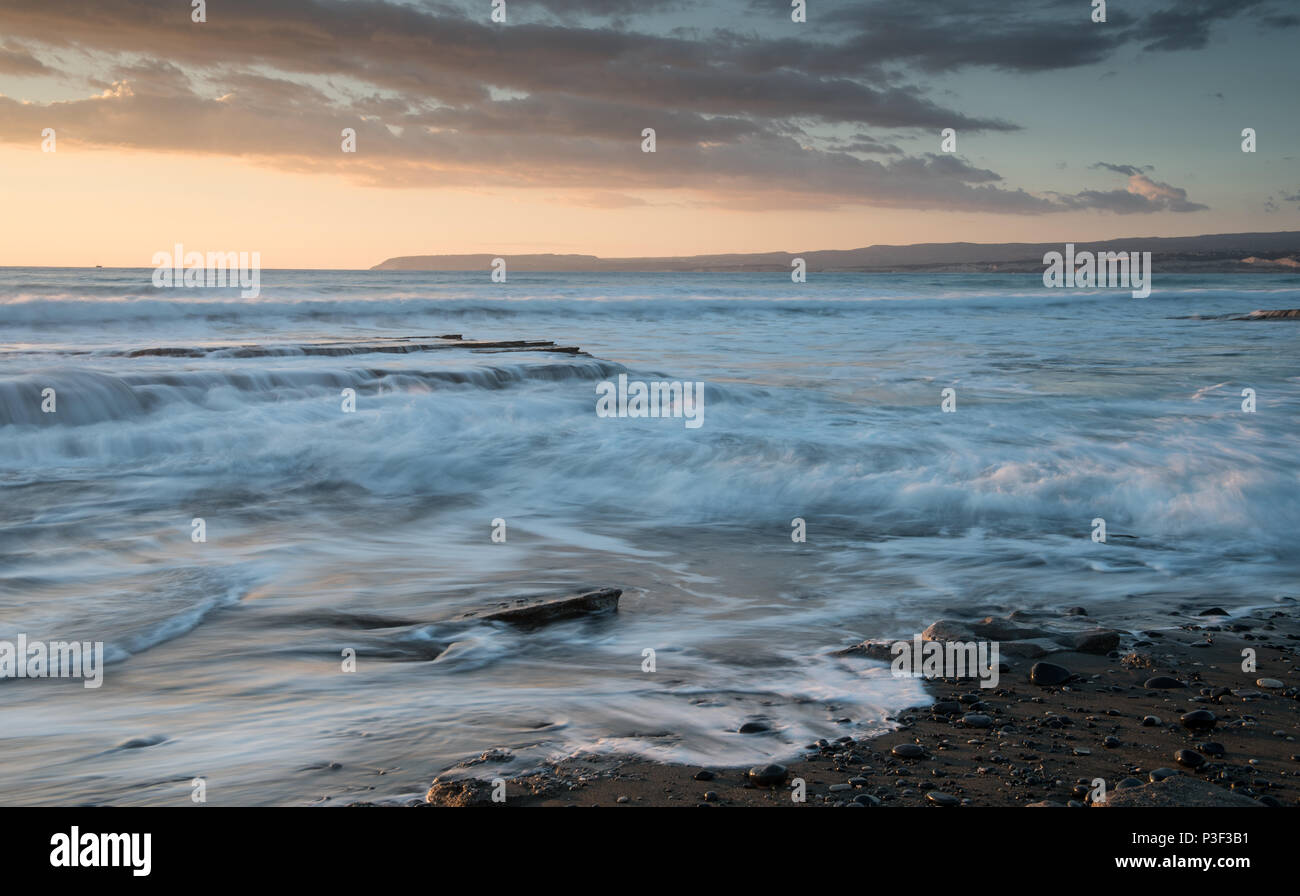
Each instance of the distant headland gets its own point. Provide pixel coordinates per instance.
(1228, 253)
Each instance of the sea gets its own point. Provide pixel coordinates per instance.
(272, 510)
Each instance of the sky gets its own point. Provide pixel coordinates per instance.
(526, 136)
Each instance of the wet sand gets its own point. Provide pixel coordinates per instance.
(1040, 745)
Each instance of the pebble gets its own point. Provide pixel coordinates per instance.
(909, 751)
(1271, 683)
(977, 720)
(1199, 718)
(1189, 759)
(710, 796)
(1212, 748)
(1151, 721)
(1111, 742)
(753, 728)
(1163, 682)
(768, 775)
(837, 788)
(1129, 782)
(1048, 674)
(1159, 774)
(939, 798)
(704, 775)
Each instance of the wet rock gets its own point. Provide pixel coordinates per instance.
(754, 728)
(873, 648)
(1018, 639)
(1098, 640)
(1213, 611)
(1076, 611)
(1029, 648)
(533, 612)
(1048, 674)
(909, 751)
(466, 792)
(137, 743)
(768, 775)
(1199, 719)
(1284, 314)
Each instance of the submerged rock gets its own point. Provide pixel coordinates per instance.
(1286, 314)
(1018, 639)
(540, 611)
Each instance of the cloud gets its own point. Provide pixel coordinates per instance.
(1142, 196)
(1123, 169)
(14, 60)
(441, 99)
(1037, 35)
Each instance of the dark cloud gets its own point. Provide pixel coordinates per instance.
(1187, 25)
(1029, 36)
(438, 98)
(14, 60)
(405, 49)
(1123, 169)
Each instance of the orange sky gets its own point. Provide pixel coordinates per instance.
(483, 137)
(78, 207)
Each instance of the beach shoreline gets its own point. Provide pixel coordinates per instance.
(1018, 744)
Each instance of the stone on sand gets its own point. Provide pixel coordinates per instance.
(1178, 791)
